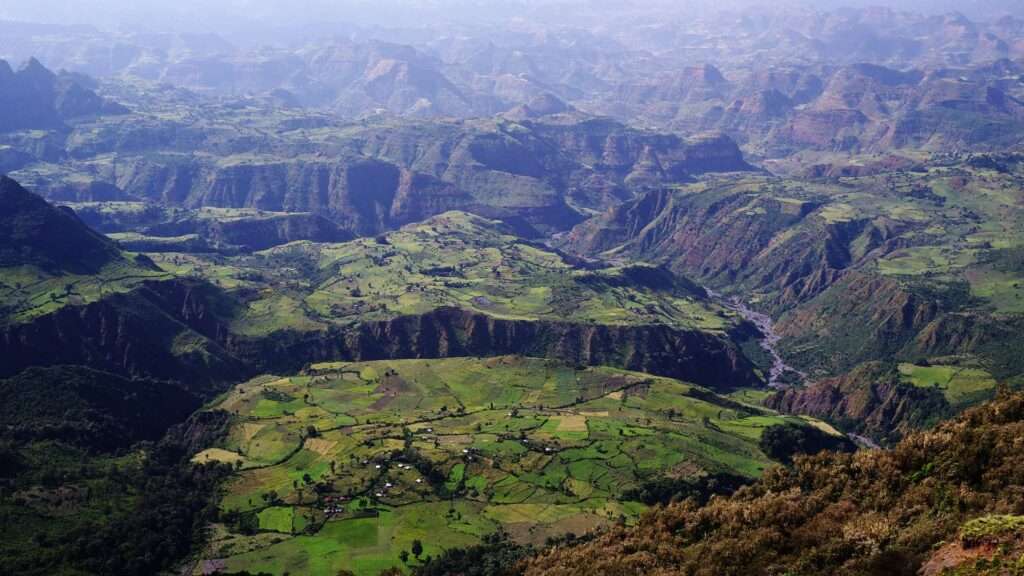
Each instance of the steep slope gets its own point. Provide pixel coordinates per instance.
(69, 296)
(33, 233)
(457, 285)
(872, 512)
(882, 263)
(543, 172)
(88, 408)
(773, 237)
(870, 400)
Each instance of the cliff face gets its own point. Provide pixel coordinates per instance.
(703, 358)
(164, 330)
(177, 331)
(255, 232)
(868, 400)
(372, 178)
(363, 196)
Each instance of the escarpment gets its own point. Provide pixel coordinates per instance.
(163, 330)
(369, 178)
(180, 330)
(254, 232)
(707, 359)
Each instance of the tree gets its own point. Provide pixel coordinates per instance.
(403, 556)
(417, 548)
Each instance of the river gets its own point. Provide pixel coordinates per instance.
(769, 341)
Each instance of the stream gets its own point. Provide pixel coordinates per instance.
(769, 341)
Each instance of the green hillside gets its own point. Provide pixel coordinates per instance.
(453, 260)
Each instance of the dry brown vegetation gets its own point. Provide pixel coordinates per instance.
(880, 512)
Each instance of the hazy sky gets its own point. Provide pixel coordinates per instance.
(228, 16)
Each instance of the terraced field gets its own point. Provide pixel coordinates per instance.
(346, 465)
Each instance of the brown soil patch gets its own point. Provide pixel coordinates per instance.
(321, 446)
(250, 430)
(528, 533)
(572, 424)
(953, 555)
(455, 440)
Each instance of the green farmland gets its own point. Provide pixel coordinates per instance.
(344, 466)
(453, 260)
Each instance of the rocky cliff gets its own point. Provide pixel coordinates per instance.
(704, 358)
(740, 238)
(371, 177)
(253, 232)
(163, 330)
(869, 400)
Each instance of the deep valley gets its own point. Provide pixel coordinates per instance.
(553, 289)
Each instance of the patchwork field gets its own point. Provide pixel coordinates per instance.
(27, 292)
(349, 463)
(452, 260)
(961, 385)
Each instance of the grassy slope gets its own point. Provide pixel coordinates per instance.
(50, 259)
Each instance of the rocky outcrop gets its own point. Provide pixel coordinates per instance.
(869, 400)
(200, 431)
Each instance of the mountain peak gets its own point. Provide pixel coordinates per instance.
(35, 233)
(33, 68)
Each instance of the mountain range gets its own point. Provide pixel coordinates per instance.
(559, 288)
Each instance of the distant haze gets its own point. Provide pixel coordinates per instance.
(243, 17)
